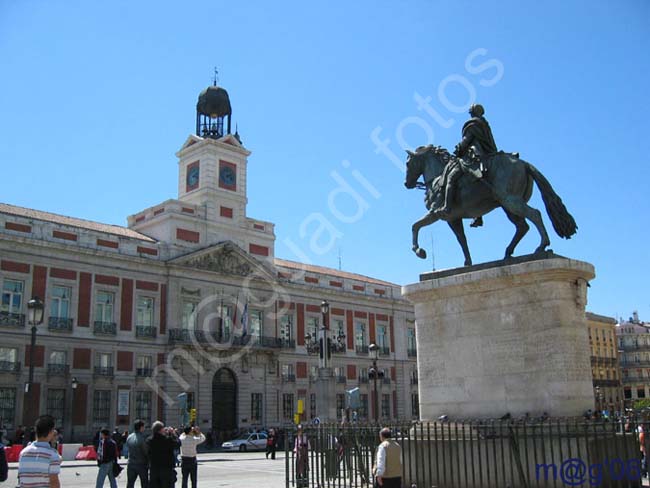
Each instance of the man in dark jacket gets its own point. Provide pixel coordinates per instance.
(4, 467)
(161, 446)
(138, 465)
(106, 456)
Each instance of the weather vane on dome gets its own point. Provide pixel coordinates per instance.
(215, 79)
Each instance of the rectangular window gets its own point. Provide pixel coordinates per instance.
(382, 338)
(640, 392)
(288, 373)
(627, 393)
(286, 328)
(9, 359)
(313, 372)
(340, 405)
(56, 405)
(385, 406)
(144, 365)
(415, 405)
(256, 407)
(144, 312)
(360, 334)
(143, 406)
(363, 409)
(8, 406)
(12, 296)
(104, 306)
(58, 357)
(312, 327)
(410, 339)
(60, 302)
(287, 406)
(188, 320)
(102, 407)
(104, 359)
(312, 405)
(255, 322)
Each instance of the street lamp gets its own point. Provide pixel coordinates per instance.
(35, 310)
(324, 341)
(374, 374)
(74, 384)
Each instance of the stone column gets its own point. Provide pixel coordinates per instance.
(504, 337)
(326, 395)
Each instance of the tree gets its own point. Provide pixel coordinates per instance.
(642, 404)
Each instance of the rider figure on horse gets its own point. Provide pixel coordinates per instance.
(477, 144)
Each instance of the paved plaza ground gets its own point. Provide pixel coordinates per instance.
(244, 470)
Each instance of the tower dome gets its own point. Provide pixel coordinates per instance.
(212, 107)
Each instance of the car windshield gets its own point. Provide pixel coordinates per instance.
(243, 437)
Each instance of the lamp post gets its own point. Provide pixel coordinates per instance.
(74, 385)
(324, 344)
(374, 374)
(35, 317)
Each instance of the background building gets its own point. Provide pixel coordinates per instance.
(188, 298)
(604, 362)
(634, 344)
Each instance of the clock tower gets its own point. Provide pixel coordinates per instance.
(212, 171)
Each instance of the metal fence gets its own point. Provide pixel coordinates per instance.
(475, 454)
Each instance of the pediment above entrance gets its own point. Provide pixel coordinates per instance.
(225, 258)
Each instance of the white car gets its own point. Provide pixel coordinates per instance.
(246, 442)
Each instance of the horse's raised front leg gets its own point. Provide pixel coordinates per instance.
(522, 227)
(459, 231)
(428, 219)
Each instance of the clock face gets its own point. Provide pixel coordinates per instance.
(193, 177)
(227, 176)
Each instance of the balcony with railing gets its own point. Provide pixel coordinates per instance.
(338, 348)
(191, 336)
(607, 383)
(385, 380)
(145, 331)
(59, 324)
(9, 367)
(635, 364)
(313, 348)
(10, 319)
(104, 328)
(636, 379)
(57, 369)
(288, 378)
(106, 371)
(341, 378)
(604, 361)
(143, 372)
(384, 350)
(412, 352)
(635, 347)
(363, 379)
(361, 348)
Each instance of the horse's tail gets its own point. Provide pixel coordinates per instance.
(562, 221)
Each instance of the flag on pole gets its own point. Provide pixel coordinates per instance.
(244, 320)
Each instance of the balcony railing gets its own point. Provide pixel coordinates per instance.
(189, 336)
(414, 381)
(289, 378)
(361, 349)
(9, 366)
(338, 348)
(603, 360)
(145, 331)
(103, 371)
(143, 372)
(412, 353)
(384, 351)
(635, 347)
(341, 379)
(313, 348)
(104, 328)
(363, 379)
(607, 383)
(56, 369)
(635, 364)
(385, 380)
(288, 343)
(9, 319)
(59, 324)
(635, 379)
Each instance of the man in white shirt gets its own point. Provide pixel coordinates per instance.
(388, 466)
(190, 438)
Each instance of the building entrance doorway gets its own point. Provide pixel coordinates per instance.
(224, 405)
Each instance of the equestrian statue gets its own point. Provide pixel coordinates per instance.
(475, 180)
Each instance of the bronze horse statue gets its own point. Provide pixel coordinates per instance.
(507, 183)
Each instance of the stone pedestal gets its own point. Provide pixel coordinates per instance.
(326, 395)
(504, 337)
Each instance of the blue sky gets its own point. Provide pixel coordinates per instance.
(96, 97)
